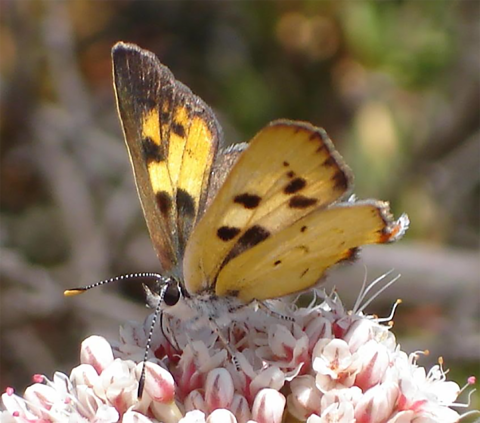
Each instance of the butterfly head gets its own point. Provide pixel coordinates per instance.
(169, 293)
(172, 292)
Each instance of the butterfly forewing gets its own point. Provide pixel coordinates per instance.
(288, 170)
(172, 138)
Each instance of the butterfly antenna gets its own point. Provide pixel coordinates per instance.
(76, 291)
(158, 312)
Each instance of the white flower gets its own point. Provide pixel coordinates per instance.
(335, 365)
(101, 390)
(321, 365)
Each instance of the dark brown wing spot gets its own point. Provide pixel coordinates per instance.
(286, 164)
(291, 174)
(164, 202)
(341, 181)
(253, 236)
(185, 203)
(295, 185)
(178, 129)
(227, 233)
(276, 263)
(301, 202)
(152, 152)
(249, 201)
(249, 239)
(303, 229)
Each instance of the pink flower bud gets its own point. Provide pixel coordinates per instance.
(268, 406)
(195, 401)
(240, 408)
(97, 352)
(377, 404)
(159, 383)
(219, 389)
(374, 360)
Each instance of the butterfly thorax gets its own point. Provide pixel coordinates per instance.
(194, 311)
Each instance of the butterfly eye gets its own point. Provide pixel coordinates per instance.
(172, 294)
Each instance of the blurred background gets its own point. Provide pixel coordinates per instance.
(395, 84)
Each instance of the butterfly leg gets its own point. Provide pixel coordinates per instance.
(264, 307)
(224, 341)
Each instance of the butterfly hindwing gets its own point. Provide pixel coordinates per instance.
(172, 137)
(296, 258)
(288, 170)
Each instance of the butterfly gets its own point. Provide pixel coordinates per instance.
(242, 224)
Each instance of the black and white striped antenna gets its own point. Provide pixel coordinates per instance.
(158, 277)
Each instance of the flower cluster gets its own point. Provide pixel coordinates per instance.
(322, 364)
